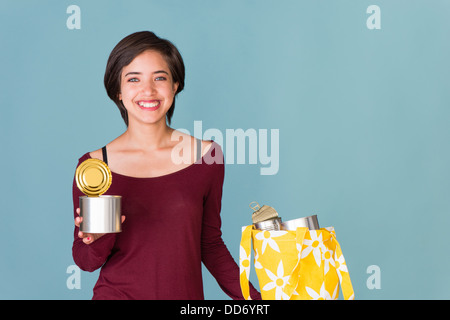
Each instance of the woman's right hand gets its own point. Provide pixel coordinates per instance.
(88, 238)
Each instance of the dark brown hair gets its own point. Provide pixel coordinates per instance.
(129, 48)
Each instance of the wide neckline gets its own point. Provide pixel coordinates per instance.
(168, 174)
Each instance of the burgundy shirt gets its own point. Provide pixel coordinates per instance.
(172, 225)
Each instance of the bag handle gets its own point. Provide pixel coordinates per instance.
(344, 279)
(293, 278)
(246, 241)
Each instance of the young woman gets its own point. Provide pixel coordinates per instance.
(171, 221)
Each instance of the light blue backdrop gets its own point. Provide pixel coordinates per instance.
(363, 117)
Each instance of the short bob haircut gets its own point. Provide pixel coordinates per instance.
(129, 48)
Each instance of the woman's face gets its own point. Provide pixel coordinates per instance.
(147, 89)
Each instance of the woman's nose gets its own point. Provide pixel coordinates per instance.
(149, 87)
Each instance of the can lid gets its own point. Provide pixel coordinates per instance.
(93, 177)
(262, 213)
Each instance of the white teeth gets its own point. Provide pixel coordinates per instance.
(148, 105)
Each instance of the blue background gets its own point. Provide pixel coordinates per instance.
(363, 117)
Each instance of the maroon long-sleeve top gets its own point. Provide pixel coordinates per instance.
(172, 225)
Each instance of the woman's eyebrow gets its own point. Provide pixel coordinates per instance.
(161, 71)
(130, 73)
(134, 72)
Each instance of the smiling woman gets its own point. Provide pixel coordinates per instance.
(128, 49)
(150, 89)
(172, 209)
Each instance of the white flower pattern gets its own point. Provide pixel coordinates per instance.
(244, 262)
(340, 265)
(328, 258)
(315, 245)
(323, 293)
(278, 282)
(267, 239)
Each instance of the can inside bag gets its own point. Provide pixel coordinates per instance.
(310, 222)
(100, 214)
(269, 225)
(266, 218)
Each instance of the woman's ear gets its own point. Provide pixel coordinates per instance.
(175, 87)
(119, 95)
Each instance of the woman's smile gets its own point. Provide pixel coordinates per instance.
(149, 105)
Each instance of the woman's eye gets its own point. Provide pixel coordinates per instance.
(160, 78)
(133, 80)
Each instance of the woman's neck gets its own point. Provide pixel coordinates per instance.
(147, 137)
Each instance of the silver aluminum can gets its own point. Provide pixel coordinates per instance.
(269, 225)
(100, 214)
(310, 222)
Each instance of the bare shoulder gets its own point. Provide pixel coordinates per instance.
(111, 146)
(185, 140)
(96, 154)
(206, 145)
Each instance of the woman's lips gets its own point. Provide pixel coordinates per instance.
(149, 105)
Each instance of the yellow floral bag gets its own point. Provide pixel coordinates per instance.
(294, 265)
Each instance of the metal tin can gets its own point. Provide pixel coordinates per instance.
(310, 222)
(93, 177)
(100, 214)
(269, 225)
